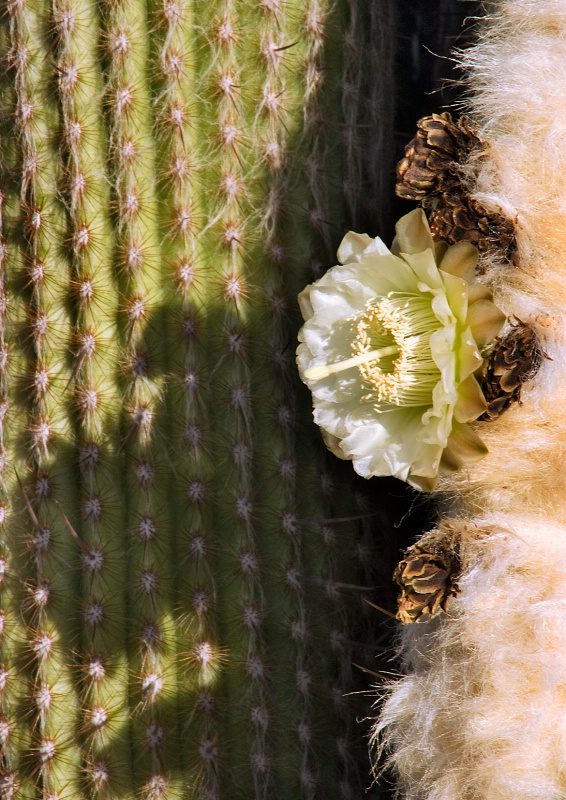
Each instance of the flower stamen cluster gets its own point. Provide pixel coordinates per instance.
(409, 378)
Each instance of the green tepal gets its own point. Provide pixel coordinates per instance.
(179, 561)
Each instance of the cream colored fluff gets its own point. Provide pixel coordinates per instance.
(517, 78)
(482, 715)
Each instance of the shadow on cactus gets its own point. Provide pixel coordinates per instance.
(181, 571)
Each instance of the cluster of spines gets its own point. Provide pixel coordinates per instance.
(299, 78)
(186, 292)
(151, 635)
(43, 737)
(225, 242)
(8, 598)
(100, 668)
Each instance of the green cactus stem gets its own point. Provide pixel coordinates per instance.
(178, 558)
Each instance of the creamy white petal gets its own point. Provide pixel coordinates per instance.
(387, 447)
(377, 246)
(328, 342)
(425, 269)
(381, 272)
(352, 246)
(469, 358)
(413, 233)
(319, 350)
(305, 302)
(461, 260)
(443, 343)
(339, 301)
(485, 321)
(456, 295)
(441, 307)
(333, 444)
(342, 418)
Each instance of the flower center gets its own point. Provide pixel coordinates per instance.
(391, 350)
(408, 377)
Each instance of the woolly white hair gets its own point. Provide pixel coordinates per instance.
(481, 714)
(517, 80)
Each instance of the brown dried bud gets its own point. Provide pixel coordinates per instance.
(432, 173)
(433, 159)
(461, 218)
(514, 360)
(427, 576)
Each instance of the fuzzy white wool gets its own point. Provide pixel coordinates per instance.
(517, 81)
(482, 713)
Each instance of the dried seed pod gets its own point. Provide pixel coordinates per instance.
(428, 575)
(514, 360)
(433, 159)
(432, 173)
(461, 218)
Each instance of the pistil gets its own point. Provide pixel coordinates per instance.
(324, 370)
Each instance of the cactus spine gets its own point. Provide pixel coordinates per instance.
(177, 611)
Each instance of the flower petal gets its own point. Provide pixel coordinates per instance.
(425, 269)
(442, 344)
(471, 402)
(376, 274)
(305, 302)
(389, 446)
(460, 260)
(423, 484)
(441, 307)
(352, 246)
(340, 419)
(464, 447)
(386, 274)
(320, 345)
(469, 358)
(427, 466)
(333, 444)
(485, 321)
(424, 473)
(457, 294)
(437, 421)
(413, 234)
(477, 291)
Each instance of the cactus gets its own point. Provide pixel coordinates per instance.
(179, 562)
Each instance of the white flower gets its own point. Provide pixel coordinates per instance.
(389, 347)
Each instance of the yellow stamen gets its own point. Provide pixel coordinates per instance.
(324, 370)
